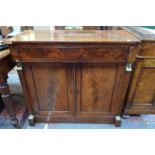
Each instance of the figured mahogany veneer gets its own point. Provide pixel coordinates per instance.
(74, 76)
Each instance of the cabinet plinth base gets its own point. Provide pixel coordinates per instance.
(73, 119)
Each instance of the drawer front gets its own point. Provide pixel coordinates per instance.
(73, 53)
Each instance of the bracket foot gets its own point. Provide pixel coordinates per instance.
(117, 121)
(31, 120)
(14, 123)
(125, 116)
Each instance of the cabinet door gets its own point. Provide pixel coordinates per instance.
(101, 88)
(50, 86)
(142, 93)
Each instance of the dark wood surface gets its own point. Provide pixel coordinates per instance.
(2, 55)
(1, 103)
(6, 64)
(141, 94)
(74, 76)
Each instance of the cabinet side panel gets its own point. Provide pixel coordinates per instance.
(142, 93)
(146, 86)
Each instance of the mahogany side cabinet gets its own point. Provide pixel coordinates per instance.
(74, 76)
(140, 98)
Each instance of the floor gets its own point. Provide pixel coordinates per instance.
(134, 122)
(142, 122)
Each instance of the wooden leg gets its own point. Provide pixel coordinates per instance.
(31, 120)
(4, 90)
(117, 121)
(1, 103)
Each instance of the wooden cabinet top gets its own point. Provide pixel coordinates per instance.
(74, 36)
(141, 33)
(147, 37)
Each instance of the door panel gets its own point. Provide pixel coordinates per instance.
(53, 86)
(95, 98)
(97, 87)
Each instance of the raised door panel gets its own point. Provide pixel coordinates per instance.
(100, 88)
(142, 93)
(51, 88)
